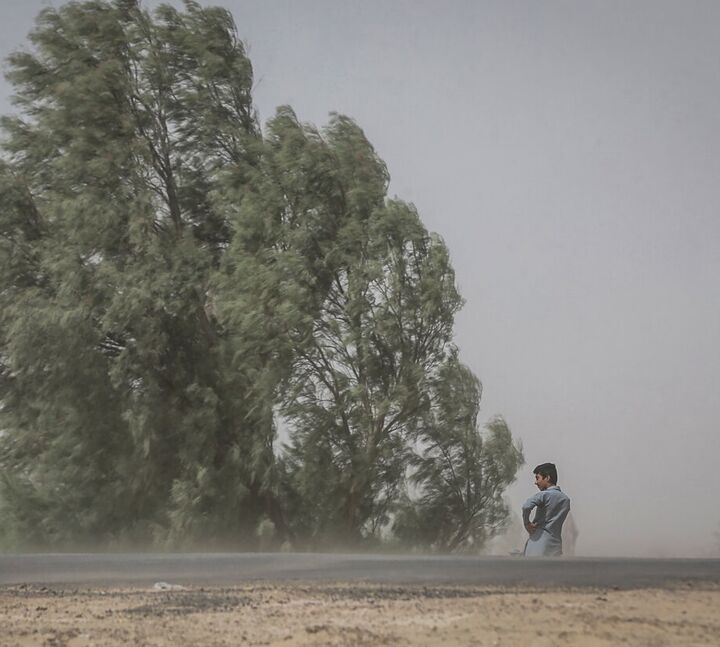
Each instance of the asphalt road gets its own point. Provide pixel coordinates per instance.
(234, 569)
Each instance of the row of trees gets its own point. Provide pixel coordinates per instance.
(177, 284)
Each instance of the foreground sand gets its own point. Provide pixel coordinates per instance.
(359, 614)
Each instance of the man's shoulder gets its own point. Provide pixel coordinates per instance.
(556, 492)
(535, 499)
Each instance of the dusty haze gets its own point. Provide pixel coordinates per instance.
(569, 154)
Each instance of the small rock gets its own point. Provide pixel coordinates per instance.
(165, 586)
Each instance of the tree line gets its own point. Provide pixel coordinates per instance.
(213, 332)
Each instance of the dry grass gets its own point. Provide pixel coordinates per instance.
(345, 614)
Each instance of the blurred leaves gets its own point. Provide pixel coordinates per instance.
(176, 284)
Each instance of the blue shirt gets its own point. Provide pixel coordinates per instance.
(551, 509)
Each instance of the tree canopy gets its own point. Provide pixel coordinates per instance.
(177, 283)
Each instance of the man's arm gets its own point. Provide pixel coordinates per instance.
(527, 508)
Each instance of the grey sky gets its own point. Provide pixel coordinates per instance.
(569, 154)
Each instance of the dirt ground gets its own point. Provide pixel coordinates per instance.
(359, 614)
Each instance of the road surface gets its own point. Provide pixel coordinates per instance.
(235, 569)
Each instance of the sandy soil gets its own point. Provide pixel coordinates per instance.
(345, 614)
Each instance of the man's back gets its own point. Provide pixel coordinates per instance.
(551, 509)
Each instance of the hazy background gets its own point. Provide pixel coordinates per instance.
(569, 155)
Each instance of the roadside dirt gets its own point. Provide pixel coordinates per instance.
(356, 614)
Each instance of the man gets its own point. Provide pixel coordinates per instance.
(551, 507)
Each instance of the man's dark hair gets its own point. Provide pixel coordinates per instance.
(547, 470)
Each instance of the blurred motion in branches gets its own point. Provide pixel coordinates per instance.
(175, 282)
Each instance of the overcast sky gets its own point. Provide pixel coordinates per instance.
(569, 155)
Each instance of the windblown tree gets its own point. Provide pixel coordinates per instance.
(173, 280)
(378, 399)
(116, 407)
(293, 223)
(459, 474)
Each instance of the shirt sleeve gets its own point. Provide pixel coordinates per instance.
(529, 505)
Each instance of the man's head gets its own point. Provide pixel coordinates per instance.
(545, 475)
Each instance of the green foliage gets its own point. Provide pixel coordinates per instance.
(459, 472)
(359, 386)
(174, 284)
(116, 407)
